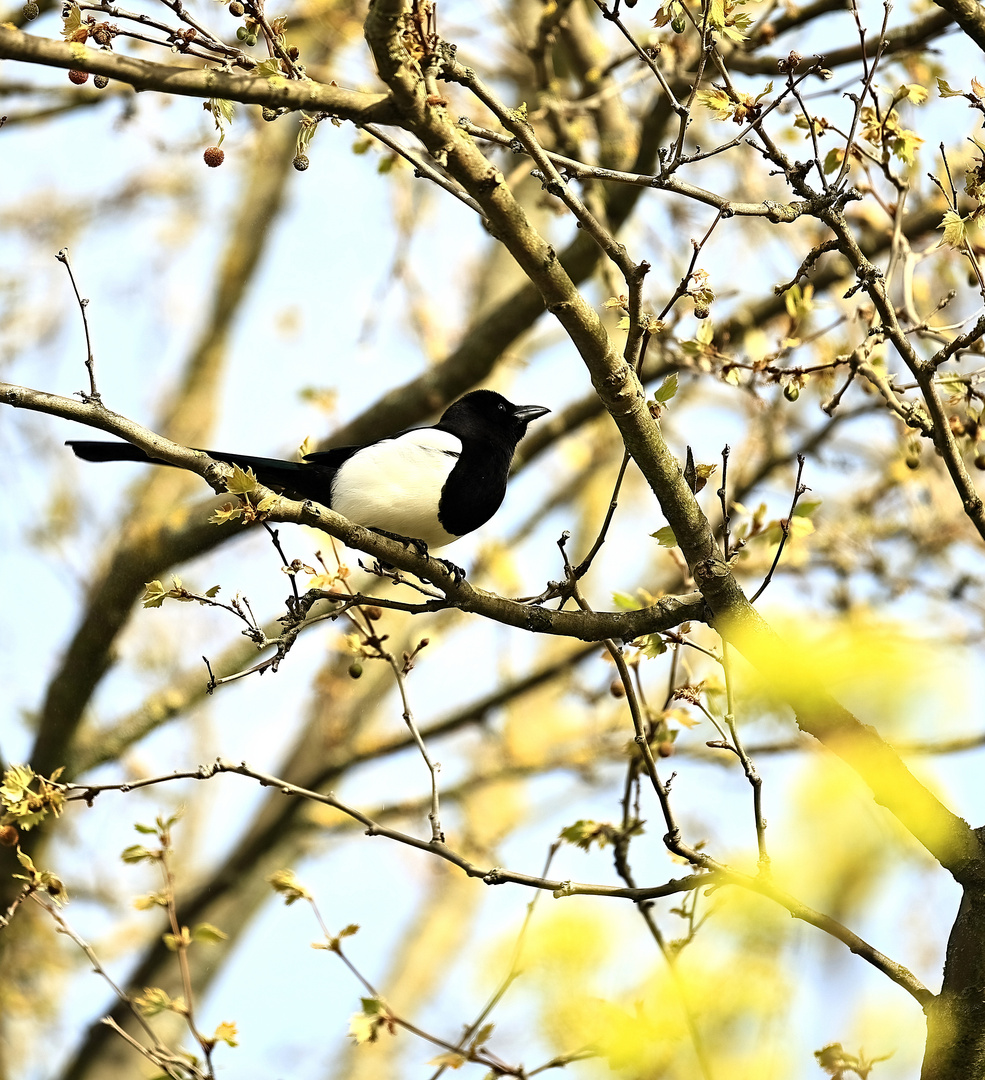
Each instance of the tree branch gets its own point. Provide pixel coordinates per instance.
(198, 82)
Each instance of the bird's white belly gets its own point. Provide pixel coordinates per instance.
(396, 485)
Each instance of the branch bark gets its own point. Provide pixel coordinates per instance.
(198, 82)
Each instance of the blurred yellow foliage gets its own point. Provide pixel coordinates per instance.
(727, 985)
(874, 666)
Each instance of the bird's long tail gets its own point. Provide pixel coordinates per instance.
(292, 476)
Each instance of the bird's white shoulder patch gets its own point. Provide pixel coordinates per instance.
(396, 484)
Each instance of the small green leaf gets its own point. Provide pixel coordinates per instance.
(154, 595)
(285, 883)
(450, 1059)
(955, 229)
(833, 159)
(241, 482)
(226, 1033)
(665, 537)
(268, 69)
(483, 1034)
(655, 646)
(136, 853)
(584, 833)
(208, 933)
(72, 21)
(154, 1000)
(667, 389)
(807, 507)
(145, 903)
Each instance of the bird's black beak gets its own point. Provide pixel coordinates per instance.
(526, 413)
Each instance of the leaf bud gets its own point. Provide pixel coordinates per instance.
(373, 612)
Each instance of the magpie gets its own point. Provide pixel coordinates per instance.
(427, 485)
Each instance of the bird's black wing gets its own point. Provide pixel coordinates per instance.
(338, 455)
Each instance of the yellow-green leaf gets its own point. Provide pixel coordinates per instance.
(955, 229)
(833, 159)
(665, 537)
(667, 389)
(717, 100)
(913, 93)
(226, 1033)
(136, 853)
(208, 933)
(154, 1000)
(72, 21)
(449, 1060)
(154, 595)
(241, 482)
(285, 883)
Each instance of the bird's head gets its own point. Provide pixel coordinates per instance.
(484, 413)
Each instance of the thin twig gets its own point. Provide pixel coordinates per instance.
(752, 775)
(181, 949)
(613, 17)
(512, 971)
(291, 571)
(784, 529)
(723, 498)
(97, 967)
(434, 817)
(423, 168)
(672, 839)
(715, 874)
(93, 397)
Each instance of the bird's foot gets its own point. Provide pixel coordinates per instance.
(457, 573)
(408, 541)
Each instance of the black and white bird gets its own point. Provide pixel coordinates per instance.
(428, 484)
